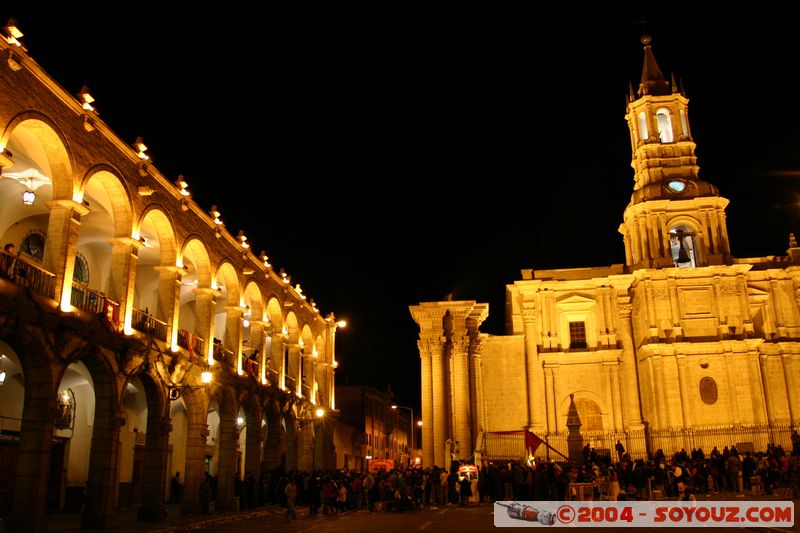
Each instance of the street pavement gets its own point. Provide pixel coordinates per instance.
(452, 519)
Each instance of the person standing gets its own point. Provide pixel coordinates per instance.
(620, 450)
(291, 494)
(176, 488)
(206, 493)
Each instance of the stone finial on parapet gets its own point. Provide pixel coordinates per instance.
(574, 437)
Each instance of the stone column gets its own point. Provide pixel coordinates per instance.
(660, 390)
(272, 447)
(258, 340)
(791, 387)
(233, 335)
(730, 373)
(686, 411)
(629, 383)
(763, 360)
(305, 459)
(169, 301)
(439, 418)
(291, 444)
(549, 395)
(276, 354)
(196, 438)
(61, 245)
(533, 369)
(204, 306)
(427, 391)
(33, 453)
(226, 464)
(294, 369)
(460, 380)
(101, 485)
(476, 388)
(254, 439)
(121, 284)
(616, 397)
(154, 479)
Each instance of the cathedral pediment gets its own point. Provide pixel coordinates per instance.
(576, 299)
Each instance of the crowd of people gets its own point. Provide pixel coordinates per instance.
(619, 478)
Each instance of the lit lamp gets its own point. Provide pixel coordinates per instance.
(242, 239)
(28, 197)
(12, 33)
(411, 425)
(320, 412)
(140, 148)
(264, 258)
(2, 376)
(86, 99)
(205, 376)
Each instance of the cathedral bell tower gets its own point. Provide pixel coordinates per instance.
(674, 218)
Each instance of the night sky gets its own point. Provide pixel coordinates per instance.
(387, 157)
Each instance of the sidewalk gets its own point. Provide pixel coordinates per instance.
(124, 520)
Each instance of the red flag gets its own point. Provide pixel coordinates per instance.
(532, 442)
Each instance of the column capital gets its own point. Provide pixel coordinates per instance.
(431, 346)
(68, 204)
(207, 290)
(128, 241)
(171, 268)
(235, 308)
(624, 309)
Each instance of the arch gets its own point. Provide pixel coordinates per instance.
(664, 120)
(591, 410)
(684, 240)
(52, 151)
(195, 251)
(33, 372)
(228, 281)
(255, 301)
(292, 327)
(103, 188)
(275, 314)
(158, 230)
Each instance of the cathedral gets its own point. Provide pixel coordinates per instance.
(683, 346)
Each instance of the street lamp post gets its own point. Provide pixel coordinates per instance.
(411, 426)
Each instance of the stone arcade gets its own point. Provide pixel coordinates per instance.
(682, 346)
(137, 336)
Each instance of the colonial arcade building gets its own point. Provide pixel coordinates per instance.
(683, 346)
(137, 336)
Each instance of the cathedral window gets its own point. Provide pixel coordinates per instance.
(577, 335)
(683, 244)
(643, 133)
(664, 125)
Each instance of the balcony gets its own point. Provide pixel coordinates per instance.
(92, 302)
(193, 344)
(25, 274)
(147, 323)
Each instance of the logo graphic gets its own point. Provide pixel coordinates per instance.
(527, 513)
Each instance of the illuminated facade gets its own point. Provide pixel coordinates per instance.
(370, 428)
(138, 337)
(683, 346)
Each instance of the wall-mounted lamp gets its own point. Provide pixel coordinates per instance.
(215, 215)
(140, 148)
(86, 99)
(315, 353)
(182, 186)
(335, 364)
(12, 33)
(342, 324)
(242, 239)
(2, 376)
(205, 376)
(264, 258)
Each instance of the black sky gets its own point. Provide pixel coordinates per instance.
(395, 155)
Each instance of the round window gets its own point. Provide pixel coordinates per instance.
(677, 185)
